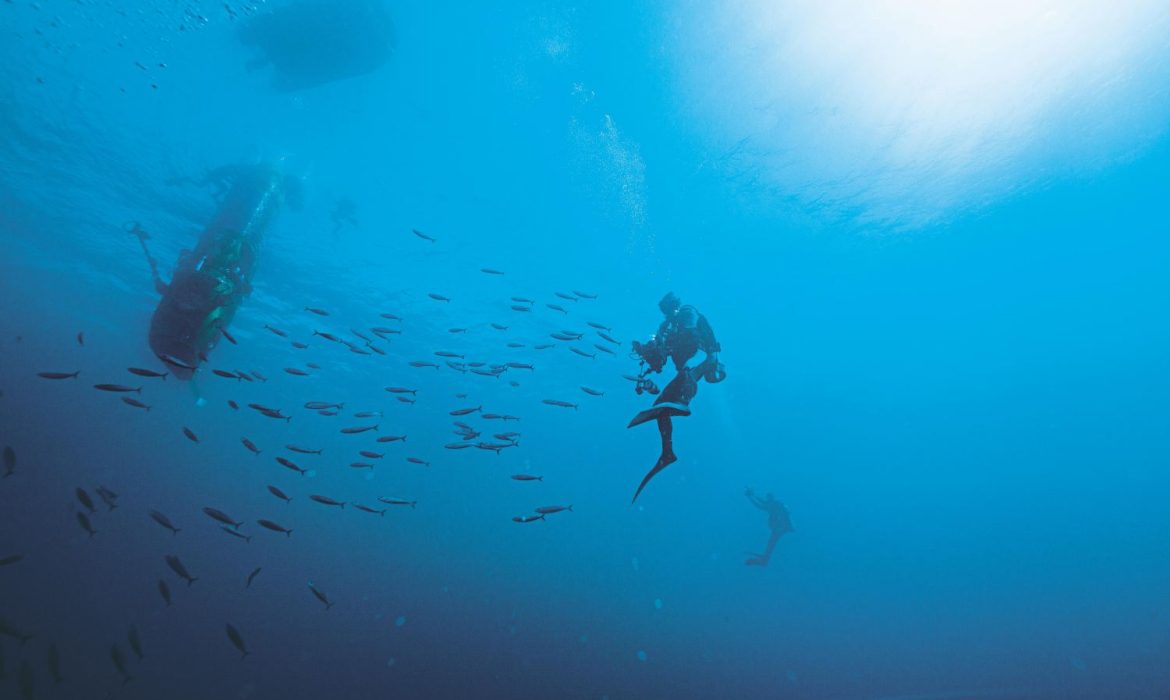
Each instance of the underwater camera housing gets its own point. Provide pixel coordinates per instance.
(650, 353)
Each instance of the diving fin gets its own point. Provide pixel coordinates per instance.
(662, 463)
(662, 409)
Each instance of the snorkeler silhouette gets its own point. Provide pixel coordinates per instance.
(778, 520)
(681, 334)
(210, 282)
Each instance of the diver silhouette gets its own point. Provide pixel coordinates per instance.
(778, 520)
(683, 332)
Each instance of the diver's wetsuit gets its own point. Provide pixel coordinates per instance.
(680, 336)
(211, 282)
(779, 521)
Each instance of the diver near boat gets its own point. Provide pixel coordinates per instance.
(779, 521)
(683, 332)
(211, 281)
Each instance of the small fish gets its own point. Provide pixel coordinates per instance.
(465, 411)
(9, 560)
(237, 641)
(493, 416)
(190, 435)
(383, 330)
(422, 235)
(319, 312)
(520, 365)
(367, 509)
(234, 406)
(165, 591)
(180, 570)
(233, 533)
(277, 331)
(54, 663)
(562, 404)
(288, 464)
(58, 375)
(244, 376)
(527, 477)
(485, 372)
(81, 339)
(279, 494)
(259, 377)
(318, 405)
(176, 362)
(361, 465)
(251, 576)
(592, 392)
(457, 366)
(120, 664)
(149, 373)
(555, 307)
(320, 595)
(495, 447)
(526, 518)
(582, 353)
(302, 450)
(499, 326)
(563, 336)
(312, 365)
(275, 527)
(392, 438)
(163, 520)
(566, 297)
(327, 501)
(296, 371)
(457, 445)
(607, 337)
(275, 413)
(584, 295)
(250, 445)
(357, 351)
(84, 499)
(602, 348)
(327, 336)
(108, 497)
(129, 401)
(548, 510)
(522, 309)
(598, 326)
(403, 399)
(490, 271)
(359, 429)
(544, 346)
(135, 641)
(445, 353)
(225, 374)
(369, 454)
(377, 349)
(327, 413)
(391, 317)
(398, 502)
(438, 297)
(118, 388)
(416, 460)
(299, 345)
(222, 517)
(83, 521)
(8, 630)
(227, 335)
(515, 345)
(359, 334)
(401, 390)
(423, 363)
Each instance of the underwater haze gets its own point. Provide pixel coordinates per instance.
(415, 241)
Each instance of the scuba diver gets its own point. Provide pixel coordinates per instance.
(211, 281)
(778, 520)
(681, 334)
(343, 215)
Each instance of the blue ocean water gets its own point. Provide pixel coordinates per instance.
(951, 368)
